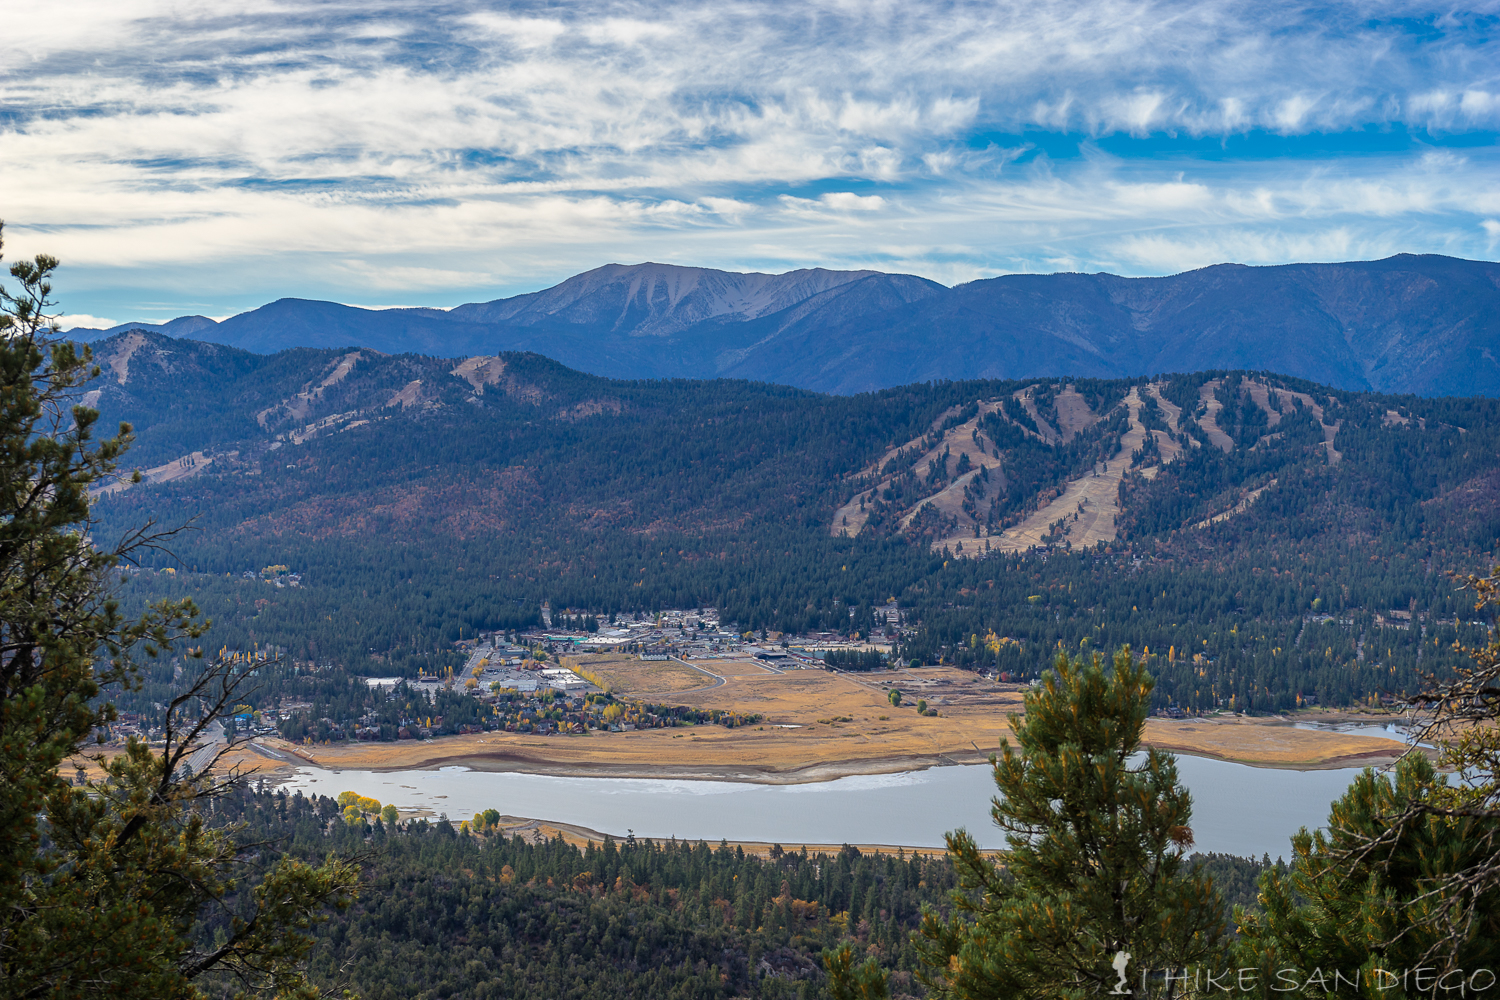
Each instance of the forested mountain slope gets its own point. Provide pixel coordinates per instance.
(486, 916)
(1428, 325)
(1272, 527)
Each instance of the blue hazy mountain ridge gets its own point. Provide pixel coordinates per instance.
(588, 321)
(660, 299)
(182, 326)
(1428, 325)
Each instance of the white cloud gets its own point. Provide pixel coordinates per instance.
(732, 210)
(847, 201)
(1163, 196)
(1291, 113)
(1479, 105)
(627, 31)
(529, 32)
(343, 149)
(826, 206)
(83, 321)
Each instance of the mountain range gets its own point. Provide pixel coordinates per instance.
(1426, 325)
(415, 496)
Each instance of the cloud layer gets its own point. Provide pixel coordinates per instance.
(183, 159)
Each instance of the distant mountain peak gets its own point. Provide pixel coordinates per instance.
(652, 299)
(1419, 323)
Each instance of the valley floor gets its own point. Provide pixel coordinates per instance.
(818, 726)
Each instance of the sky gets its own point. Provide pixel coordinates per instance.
(187, 158)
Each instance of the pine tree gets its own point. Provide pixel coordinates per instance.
(1094, 867)
(101, 884)
(1369, 898)
(1447, 833)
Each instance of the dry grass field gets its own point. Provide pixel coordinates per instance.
(1268, 743)
(646, 679)
(818, 725)
(1209, 422)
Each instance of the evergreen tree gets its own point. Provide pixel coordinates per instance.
(101, 885)
(1369, 899)
(1453, 826)
(1094, 868)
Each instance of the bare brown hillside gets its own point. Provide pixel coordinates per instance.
(966, 471)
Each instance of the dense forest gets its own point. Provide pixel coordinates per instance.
(447, 912)
(408, 527)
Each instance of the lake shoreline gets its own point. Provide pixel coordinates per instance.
(507, 762)
(816, 726)
(1237, 809)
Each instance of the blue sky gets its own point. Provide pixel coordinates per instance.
(186, 158)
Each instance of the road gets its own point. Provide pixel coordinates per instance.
(204, 756)
(718, 681)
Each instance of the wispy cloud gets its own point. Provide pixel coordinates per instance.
(450, 150)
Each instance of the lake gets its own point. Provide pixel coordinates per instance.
(1237, 809)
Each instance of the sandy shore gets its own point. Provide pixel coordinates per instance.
(813, 751)
(819, 726)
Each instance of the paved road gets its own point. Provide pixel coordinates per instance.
(204, 755)
(766, 666)
(718, 681)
